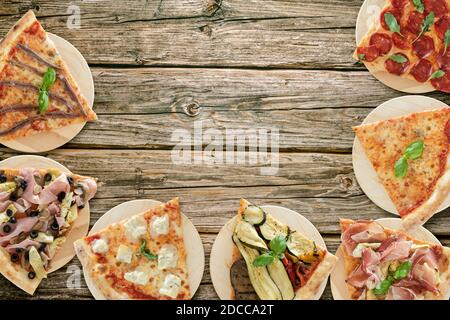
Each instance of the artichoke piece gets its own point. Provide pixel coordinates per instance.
(36, 263)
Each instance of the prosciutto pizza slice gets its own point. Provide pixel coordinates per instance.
(37, 91)
(37, 210)
(139, 258)
(282, 263)
(411, 40)
(411, 157)
(386, 264)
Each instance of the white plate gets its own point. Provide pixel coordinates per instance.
(51, 140)
(364, 171)
(368, 17)
(222, 252)
(195, 255)
(81, 226)
(338, 285)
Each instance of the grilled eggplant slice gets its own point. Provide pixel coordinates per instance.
(272, 227)
(301, 247)
(254, 215)
(248, 235)
(264, 286)
(280, 276)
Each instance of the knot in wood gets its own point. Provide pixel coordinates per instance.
(192, 109)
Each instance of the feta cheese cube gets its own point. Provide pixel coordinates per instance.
(137, 277)
(135, 228)
(160, 225)
(124, 254)
(167, 257)
(100, 246)
(171, 286)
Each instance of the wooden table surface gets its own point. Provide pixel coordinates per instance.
(248, 64)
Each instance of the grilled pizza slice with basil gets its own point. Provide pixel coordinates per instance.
(410, 155)
(37, 91)
(37, 211)
(387, 264)
(410, 40)
(282, 264)
(139, 258)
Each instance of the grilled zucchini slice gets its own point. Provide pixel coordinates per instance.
(254, 215)
(272, 227)
(248, 235)
(301, 247)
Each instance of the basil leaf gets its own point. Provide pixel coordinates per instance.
(278, 245)
(382, 288)
(392, 23)
(145, 252)
(419, 5)
(401, 167)
(43, 101)
(143, 246)
(149, 255)
(361, 56)
(437, 74)
(446, 40)
(403, 270)
(263, 260)
(398, 58)
(414, 150)
(49, 79)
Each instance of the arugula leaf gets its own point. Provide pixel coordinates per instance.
(278, 245)
(392, 23)
(437, 74)
(403, 270)
(426, 24)
(398, 58)
(263, 260)
(414, 150)
(419, 5)
(446, 40)
(401, 167)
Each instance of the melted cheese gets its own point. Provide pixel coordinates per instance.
(160, 225)
(171, 286)
(135, 228)
(100, 246)
(137, 277)
(124, 254)
(167, 257)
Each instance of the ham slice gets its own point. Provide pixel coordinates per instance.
(54, 209)
(49, 194)
(4, 196)
(28, 175)
(362, 232)
(22, 225)
(25, 244)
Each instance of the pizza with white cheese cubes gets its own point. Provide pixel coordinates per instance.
(139, 258)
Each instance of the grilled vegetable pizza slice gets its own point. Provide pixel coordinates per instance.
(38, 207)
(386, 264)
(410, 155)
(142, 257)
(282, 264)
(37, 91)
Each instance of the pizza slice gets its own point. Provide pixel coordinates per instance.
(37, 211)
(37, 91)
(410, 155)
(282, 264)
(142, 257)
(410, 40)
(386, 264)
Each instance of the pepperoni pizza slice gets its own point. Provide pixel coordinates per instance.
(411, 40)
(37, 91)
(386, 264)
(410, 155)
(140, 258)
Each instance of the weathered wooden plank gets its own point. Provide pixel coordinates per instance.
(322, 187)
(281, 34)
(62, 284)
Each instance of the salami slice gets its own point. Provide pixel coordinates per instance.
(442, 25)
(442, 83)
(369, 53)
(422, 70)
(414, 23)
(382, 41)
(403, 41)
(443, 59)
(396, 67)
(395, 12)
(399, 4)
(423, 46)
(439, 7)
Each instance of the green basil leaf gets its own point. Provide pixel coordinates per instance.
(149, 255)
(43, 101)
(446, 40)
(401, 167)
(419, 5)
(403, 270)
(414, 150)
(278, 245)
(398, 58)
(437, 74)
(361, 56)
(49, 79)
(392, 23)
(143, 246)
(382, 288)
(263, 260)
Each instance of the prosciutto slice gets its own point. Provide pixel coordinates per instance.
(365, 274)
(23, 225)
(394, 248)
(362, 232)
(400, 293)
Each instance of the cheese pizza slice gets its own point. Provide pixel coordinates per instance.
(410, 40)
(37, 91)
(38, 209)
(139, 258)
(387, 264)
(410, 155)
